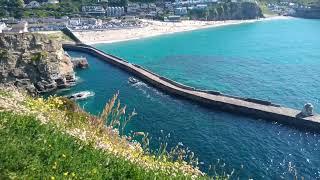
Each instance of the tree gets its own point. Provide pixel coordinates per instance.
(20, 3)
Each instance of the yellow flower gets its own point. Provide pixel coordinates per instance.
(63, 155)
(54, 166)
(52, 177)
(65, 174)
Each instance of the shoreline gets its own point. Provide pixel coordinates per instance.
(157, 28)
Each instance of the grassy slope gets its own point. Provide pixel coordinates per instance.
(34, 150)
(55, 138)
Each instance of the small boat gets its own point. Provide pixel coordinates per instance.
(81, 95)
(133, 80)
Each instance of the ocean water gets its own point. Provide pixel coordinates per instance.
(275, 60)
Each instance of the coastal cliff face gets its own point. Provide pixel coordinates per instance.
(312, 13)
(34, 62)
(229, 11)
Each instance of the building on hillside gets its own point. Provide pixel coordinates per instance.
(10, 20)
(133, 8)
(144, 6)
(85, 22)
(74, 22)
(33, 4)
(94, 10)
(181, 11)
(21, 27)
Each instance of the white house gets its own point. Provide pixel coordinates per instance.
(33, 4)
(21, 27)
(75, 22)
(2, 26)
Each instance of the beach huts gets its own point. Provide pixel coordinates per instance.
(115, 11)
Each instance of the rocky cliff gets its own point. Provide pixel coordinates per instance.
(310, 13)
(34, 62)
(228, 11)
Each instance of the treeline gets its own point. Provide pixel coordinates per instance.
(227, 11)
(14, 8)
(11, 8)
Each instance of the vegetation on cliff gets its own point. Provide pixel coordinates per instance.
(54, 138)
(14, 8)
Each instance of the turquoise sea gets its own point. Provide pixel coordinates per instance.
(276, 60)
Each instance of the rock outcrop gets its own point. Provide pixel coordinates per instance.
(34, 62)
(81, 63)
(310, 13)
(228, 11)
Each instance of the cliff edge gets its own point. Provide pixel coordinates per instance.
(34, 62)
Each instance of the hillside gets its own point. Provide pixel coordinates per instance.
(56, 139)
(228, 11)
(14, 8)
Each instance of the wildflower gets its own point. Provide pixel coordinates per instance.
(52, 177)
(94, 171)
(65, 174)
(54, 166)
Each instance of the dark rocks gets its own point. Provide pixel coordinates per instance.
(229, 11)
(81, 63)
(34, 63)
(311, 13)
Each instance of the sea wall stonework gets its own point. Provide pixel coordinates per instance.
(34, 62)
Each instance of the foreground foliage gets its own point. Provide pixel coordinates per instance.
(55, 138)
(31, 149)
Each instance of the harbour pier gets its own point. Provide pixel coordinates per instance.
(247, 106)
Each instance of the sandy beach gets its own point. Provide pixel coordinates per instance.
(155, 28)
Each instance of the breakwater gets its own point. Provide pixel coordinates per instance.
(253, 107)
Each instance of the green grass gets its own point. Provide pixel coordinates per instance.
(59, 36)
(35, 151)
